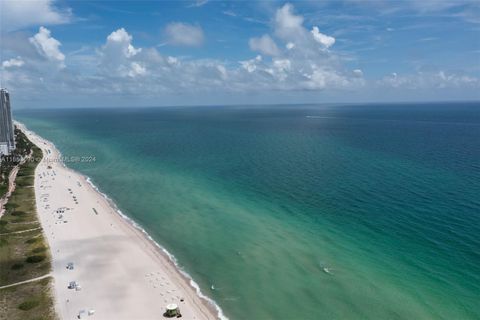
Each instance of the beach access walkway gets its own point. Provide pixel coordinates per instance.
(21, 231)
(26, 281)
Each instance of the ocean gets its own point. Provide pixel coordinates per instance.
(297, 212)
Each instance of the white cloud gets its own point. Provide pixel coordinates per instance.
(184, 34)
(325, 40)
(172, 60)
(223, 71)
(14, 62)
(18, 14)
(357, 73)
(428, 80)
(302, 63)
(282, 64)
(117, 55)
(289, 27)
(297, 62)
(47, 46)
(136, 70)
(264, 45)
(118, 66)
(122, 40)
(251, 65)
(323, 77)
(287, 24)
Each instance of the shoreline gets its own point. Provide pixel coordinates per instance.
(203, 307)
(210, 303)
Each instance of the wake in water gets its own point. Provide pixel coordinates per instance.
(215, 288)
(326, 268)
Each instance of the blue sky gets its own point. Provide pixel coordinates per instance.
(121, 53)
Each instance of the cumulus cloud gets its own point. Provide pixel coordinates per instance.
(124, 39)
(172, 60)
(357, 73)
(287, 24)
(20, 14)
(427, 80)
(265, 45)
(13, 62)
(184, 34)
(251, 65)
(47, 46)
(302, 63)
(282, 64)
(325, 40)
(121, 40)
(290, 57)
(136, 70)
(298, 62)
(289, 27)
(117, 54)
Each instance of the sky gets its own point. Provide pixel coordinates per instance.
(161, 53)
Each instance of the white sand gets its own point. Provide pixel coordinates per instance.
(122, 274)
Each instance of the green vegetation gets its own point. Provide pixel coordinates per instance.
(23, 147)
(19, 252)
(33, 240)
(24, 251)
(39, 250)
(35, 258)
(28, 304)
(20, 209)
(29, 301)
(17, 266)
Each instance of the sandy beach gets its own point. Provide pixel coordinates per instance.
(119, 272)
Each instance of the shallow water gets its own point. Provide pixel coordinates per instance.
(314, 212)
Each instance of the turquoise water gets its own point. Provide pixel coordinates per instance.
(258, 203)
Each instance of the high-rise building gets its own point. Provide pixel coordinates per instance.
(7, 137)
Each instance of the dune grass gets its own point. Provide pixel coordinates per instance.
(24, 252)
(29, 301)
(23, 147)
